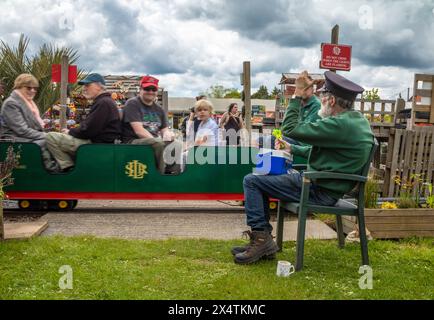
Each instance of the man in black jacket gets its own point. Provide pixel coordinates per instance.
(102, 125)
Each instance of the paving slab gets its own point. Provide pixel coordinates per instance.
(158, 226)
(24, 230)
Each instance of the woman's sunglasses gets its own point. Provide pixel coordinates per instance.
(32, 88)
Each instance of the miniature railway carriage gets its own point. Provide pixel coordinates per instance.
(128, 172)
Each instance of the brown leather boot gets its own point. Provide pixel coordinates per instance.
(262, 245)
(241, 249)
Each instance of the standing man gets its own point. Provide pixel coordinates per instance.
(309, 105)
(102, 125)
(145, 122)
(340, 142)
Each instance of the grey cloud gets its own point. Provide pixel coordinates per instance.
(307, 24)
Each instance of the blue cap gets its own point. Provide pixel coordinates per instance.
(91, 78)
(340, 86)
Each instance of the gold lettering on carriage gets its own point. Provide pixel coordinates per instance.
(135, 169)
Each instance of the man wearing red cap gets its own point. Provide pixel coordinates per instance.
(145, 122)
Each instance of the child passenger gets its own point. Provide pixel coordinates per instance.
(207, 133)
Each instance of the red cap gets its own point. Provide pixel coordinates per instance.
(148, 81)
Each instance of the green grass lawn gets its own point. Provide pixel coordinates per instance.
(204, 269)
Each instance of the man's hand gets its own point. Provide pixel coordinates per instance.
(302, 83)
(282, 145)
(168, 135)
(65, 131)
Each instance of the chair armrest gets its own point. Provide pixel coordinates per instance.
(333, 175)
(299, 167)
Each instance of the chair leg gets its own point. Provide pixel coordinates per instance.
(279, 227)
(340, 231)
(363, 239)
(301, 230)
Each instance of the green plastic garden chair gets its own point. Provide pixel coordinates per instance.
(341, 208)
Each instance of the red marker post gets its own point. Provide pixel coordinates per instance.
(64, 74)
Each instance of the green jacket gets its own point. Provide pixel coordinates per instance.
(339, 143)
(309, 113)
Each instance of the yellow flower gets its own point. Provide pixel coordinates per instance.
(277, 133)
(389, 205)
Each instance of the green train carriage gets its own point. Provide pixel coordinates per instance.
(129, 172)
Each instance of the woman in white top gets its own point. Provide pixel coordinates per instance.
(207, 133)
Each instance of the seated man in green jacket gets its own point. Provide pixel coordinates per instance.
(340, 142)
(309, 106)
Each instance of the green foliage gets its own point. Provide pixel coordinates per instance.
(372, 189)
(430, 195)
(15, 60)
(371, 95)
(410, 191)
(232, 94)
(405, 202)
(216, 91)
(262, 93)
(274, 93)
(6, 167)
(219, 92)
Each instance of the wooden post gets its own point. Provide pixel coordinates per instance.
(247, 98)
(2, 226)
(431, 118)
(335, 38)
(63, 91)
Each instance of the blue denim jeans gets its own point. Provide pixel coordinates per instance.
(268, 141)
(287, 187)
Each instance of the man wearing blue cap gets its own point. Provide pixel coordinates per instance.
(340, 142)
(102, 125)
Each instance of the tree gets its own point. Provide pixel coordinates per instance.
(14, 61)
(232, 94)
(371, 95)
(216, 91)
(6, 168)
(274, 93)
(262, 93)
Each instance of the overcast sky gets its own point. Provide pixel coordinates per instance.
(193, 44)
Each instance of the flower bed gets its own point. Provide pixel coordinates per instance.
(395, 223)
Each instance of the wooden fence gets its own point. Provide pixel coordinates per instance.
(410, 152)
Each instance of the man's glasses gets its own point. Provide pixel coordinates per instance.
(153, 89)
(32, 88)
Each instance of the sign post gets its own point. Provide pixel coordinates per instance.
(335, 38)
(335, 56)
(63, 91)
(247, 101)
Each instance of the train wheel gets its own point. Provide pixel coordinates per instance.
(24, 204)
(61, 205)
(30, 205)
(273, 205)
